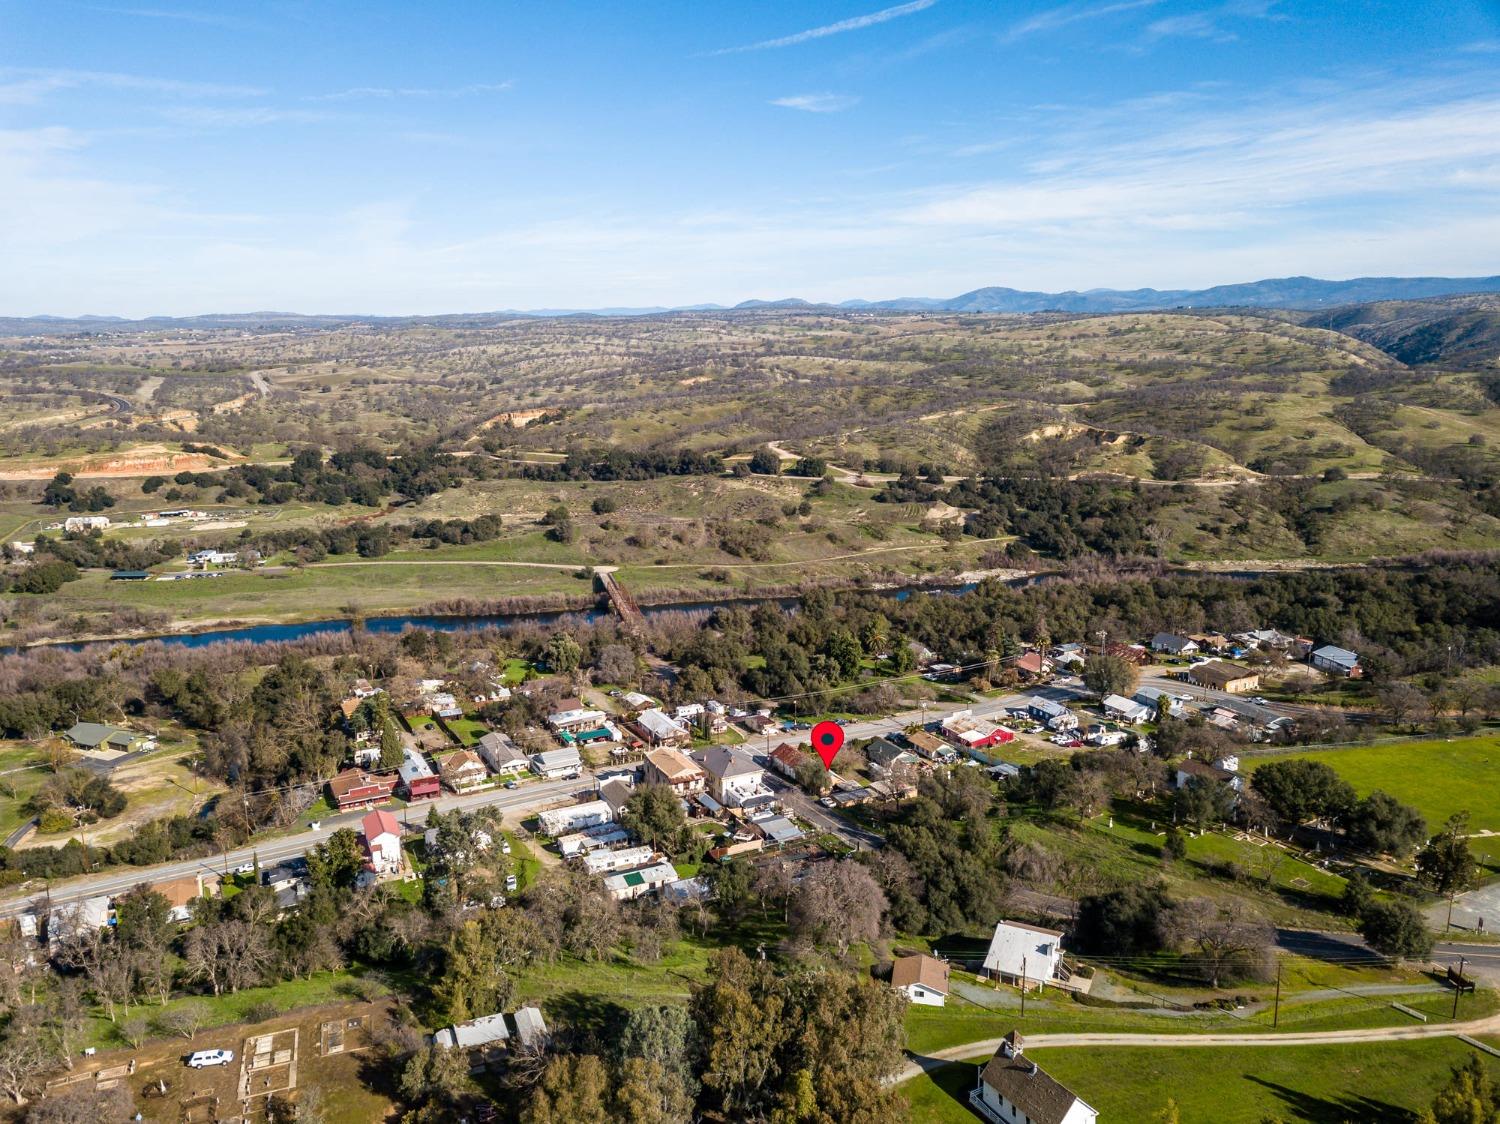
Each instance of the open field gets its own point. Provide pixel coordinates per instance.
(1437, 776)
(1374, 1082)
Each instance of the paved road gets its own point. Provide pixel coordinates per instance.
(1482, 959)
(119, 879)
(922, 1063)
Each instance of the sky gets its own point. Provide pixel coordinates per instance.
(175, 157)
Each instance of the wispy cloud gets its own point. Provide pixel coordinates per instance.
(362, 93)
(1055, 18)
(216, 117)
(854, 23)
(1209, 24)
(817, 103)
(27, 85)
(204, 19)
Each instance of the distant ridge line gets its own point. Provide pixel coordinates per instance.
(1289, 293)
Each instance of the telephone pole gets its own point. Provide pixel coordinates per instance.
(1458, 987)
(1023, 987)
(1276, 1011)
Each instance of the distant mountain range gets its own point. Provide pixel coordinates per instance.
(1288, 293)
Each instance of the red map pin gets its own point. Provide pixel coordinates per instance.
(828, 739)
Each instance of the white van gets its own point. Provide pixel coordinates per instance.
(205, 1058)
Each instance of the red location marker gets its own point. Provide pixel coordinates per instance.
(827, 739)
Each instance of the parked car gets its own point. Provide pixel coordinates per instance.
(245, 868)
(316, 825)
(505, 846)
(512, 883)
(202, 1059)
(1260, 700)
(829, 802)
(512, 784)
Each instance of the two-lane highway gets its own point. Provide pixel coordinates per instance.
(117, 880)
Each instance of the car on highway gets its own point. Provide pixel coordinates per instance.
(1259, 700)
(316, 825)
(512, 784)
(203, 1059)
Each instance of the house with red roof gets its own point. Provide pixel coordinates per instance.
(381, 834)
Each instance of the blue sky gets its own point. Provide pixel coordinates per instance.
(174, 157)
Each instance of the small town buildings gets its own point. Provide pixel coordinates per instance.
(98, 738)
(967, 732)
(1169, 643)
(1051, 714)
(559, 821)
(381, 835)
(777, 831)
(616, 792)
(287, 880)
(1136, 654)
(503, 757)
(884, 754)
(600, 837)
(354, 789)
(576, 721)
(1125, 710)
(208, 559)
(1025, 955)
(1150, 697)
(635, 701)
(923, 979)
(418, 779)
(1030, 666)
(1336, 661)
(181, 893)
(1220, 676)
(787, 758)
(930, 746)
(531, 1030)
(627, 885)
(656, 728)
(1186, 771)
(1013, 1089)
(486, 1039)
(463, 770)
(555, 763)
(758, 723)
(733, 778)
(627, 858)
(676, 770)
(75, 919)
(77, 524)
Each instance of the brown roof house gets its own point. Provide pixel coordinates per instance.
(355, 788)
(1221, 676)
(923, 979)
(1013, 1089)
(676, 770)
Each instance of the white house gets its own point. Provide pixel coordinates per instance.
(629, 884)
(733, 778)
(556, 763)
(658, 728)
(382, 838)
(603, 862)
(1336, 661)
(572, 721)
(1172, 644)
(1013, 1089)
(1125, 710)
(1023, 954)
(923, 979)
(75, 523)
(1149, 696)
(203, 559)
(575, 817)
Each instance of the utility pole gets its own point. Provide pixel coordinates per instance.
(1103, 636)
(1458, 987)
(1276, 1011)
(1023, 987)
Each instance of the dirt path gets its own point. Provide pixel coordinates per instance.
(925, 1063)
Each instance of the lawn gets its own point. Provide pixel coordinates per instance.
(1437, 776)
(1368, 1082)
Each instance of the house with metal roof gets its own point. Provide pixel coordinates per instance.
(1336, 661)
(629, 884)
